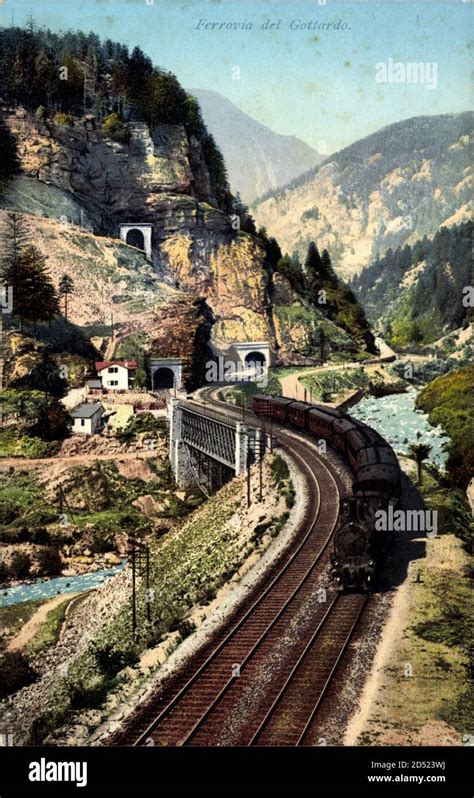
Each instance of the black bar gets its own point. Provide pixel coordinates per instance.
(319, 772)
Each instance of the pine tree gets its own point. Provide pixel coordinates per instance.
(24, 270)
(328, 273)
(313, 267)
(15, 237)
(9, 163)
(66, 287)
(41, 298)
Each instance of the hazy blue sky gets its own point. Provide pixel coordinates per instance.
(318, 85)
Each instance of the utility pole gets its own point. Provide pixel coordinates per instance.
(63, 503)
(260, 470)
(249, 501)
(147, 583)
(134, 576)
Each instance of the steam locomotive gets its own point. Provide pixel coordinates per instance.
(358, 547)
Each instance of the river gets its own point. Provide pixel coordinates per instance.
(401, 424)
(43, 589)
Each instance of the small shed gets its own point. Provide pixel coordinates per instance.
(87, 417)
(94, 386)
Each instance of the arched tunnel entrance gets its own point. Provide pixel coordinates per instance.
(255, 359)
(135, 238)
(163, 378)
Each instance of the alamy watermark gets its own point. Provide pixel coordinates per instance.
(6, 298)
(223, 370)
(407, 521)
(425, 73)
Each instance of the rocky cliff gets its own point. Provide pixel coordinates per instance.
(86, 184)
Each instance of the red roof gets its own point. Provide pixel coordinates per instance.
(104, 364)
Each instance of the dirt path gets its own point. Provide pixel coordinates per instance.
(76, 458)
(112, 343)
(31, 627)
(292, 388)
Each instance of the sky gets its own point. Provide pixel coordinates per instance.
(298, 79)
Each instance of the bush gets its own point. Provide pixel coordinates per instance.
(111, 660)
(260, 530)
(41, 536)
(20, 565)
(53, 422)
(186, 628)
(46, 724)
(63, 119)
(49, 561)
(4, 572)
(115, 128)
(88, 696)
(102, 540)
(138, 424)
(279, 469)
(34, 447)
(15, 673)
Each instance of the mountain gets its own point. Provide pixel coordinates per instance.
(386, 190)
(258, 159)
(76, 160)
(415, 294)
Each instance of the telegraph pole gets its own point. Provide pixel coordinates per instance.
(249, 501)
(134, 576)
(148, 602)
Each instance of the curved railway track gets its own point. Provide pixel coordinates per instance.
(254, 683)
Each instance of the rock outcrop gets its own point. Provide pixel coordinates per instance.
(87, 185)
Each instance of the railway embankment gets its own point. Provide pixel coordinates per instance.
(417, 691)
(96, 673)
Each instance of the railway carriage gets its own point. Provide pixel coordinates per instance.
(274, 407)
(321, 422)
(298, 414)
(279, 409)
(341, 428)
(358, 547)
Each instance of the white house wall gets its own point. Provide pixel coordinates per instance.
(120, 376)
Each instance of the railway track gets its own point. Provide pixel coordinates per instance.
(294, 710)
(249, 686)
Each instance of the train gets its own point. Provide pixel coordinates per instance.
(359, 549)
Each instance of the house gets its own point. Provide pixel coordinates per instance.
(116, 375)
(87, 417)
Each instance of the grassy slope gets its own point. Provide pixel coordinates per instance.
(449, 401)
(189, 565)
(434, 705)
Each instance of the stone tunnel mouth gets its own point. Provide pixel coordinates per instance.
(255, 359)
(163, 377)
(135, 238)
